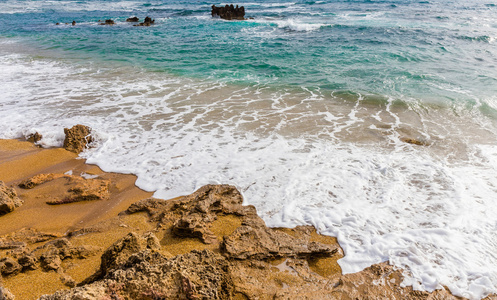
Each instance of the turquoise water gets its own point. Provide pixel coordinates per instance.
(307, 109)
(401, 49)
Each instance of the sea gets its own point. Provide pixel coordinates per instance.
(373, 120)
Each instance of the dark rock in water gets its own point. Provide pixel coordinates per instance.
(78, 137)
(35, 137)
(73, 23)
(8, 199)
(133, 19)
(108, 22)
(229, 12)
(149, 20)
(57, 23)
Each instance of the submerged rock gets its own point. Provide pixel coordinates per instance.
(78, 137)
(108, 22)
(133, 19)
(35, 137)
(229, 12)
(148, 21)
(8, 199)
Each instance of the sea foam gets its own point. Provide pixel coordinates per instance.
(348, 173)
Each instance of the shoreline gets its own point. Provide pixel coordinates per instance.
(269, 264)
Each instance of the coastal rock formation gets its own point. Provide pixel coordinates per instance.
(78, 137)
(229, 12)
(108, 22)
(8, 199)
(78, 188)
(35, 137)
(148, 21)
(133, 19)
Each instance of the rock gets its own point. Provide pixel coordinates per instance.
(38, 179)
(148, 21)
(121, 250)
(414, 141)
(229, 12)
(9, 266)
(150, 275)
(5, 294)
(132, 19)
(73, 23)
(35, 137)
(8, 199)
(80, 189)
(84, 190)
(108, 22)
(263, 243)
(28, 262)
(78, 137)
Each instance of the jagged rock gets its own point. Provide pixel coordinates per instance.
(67, 280)
(80, 189)
(26, 235)
(28, 262)
(38, 179)
(148, 21)
(35, 137)
(264, 243)
(133, 19)
(78, 137)
(150, 275)
(8, 199)
(229, 12)
(108, 22)
(54, 252)
(9, 266)
(121, 250)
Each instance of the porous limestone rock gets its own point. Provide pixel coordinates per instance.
(79, 136)
(8, 199)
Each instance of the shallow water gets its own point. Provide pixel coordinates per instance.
(305, 109)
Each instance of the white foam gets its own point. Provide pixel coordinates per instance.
(388, 201)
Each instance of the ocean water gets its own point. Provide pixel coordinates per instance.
(305, 108)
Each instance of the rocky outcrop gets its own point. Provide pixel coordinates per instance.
(79, 189)
(35, 137)
(108, 22)
(79, 136)
(229, 12)
(147, 22)
(133, 19)
(235, 256)
(8, 199)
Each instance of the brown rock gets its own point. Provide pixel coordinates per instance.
(9, 266)
(35, 137)
(28, 262)
(108, 22)
(8, 199)
(78, 137)
(264, 243)
(79, 189)
(228, 12)
(38, 179)
(414, 141)
(121, 250)
(132, 19)
(150, 275)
